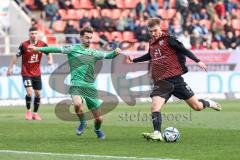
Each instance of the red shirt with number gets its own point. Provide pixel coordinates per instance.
(30, 60)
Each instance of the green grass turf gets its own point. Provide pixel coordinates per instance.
(204, 135)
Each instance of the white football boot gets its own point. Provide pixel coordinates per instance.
(146, 135)
(156, 135)
(214, 105)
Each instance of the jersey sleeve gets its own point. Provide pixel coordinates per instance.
(66, 49)
(49, 49)
(104, 54)
(178, 46)
(145, 57)
(20, 51)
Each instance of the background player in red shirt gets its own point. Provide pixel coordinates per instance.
(31, 73)
(167, 57)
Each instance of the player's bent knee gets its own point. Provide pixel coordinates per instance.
(78, 104)
(78, 107)
(155, 107)
(99, 119)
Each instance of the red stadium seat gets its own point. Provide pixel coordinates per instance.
(93, 12)
(120, 3)
(75, 24)
(126, 12)
(173, 3)
(76, 3)
(116, 13)
(95, 38)
(72, 14)
(79, 13)
(167, 13)
(86, 4)
(46, 30)
(63, 14)
(30, 4)
(236, 24)
(51, 40)
(108, 35)
(130, 3)
(129, 36)
(117, 34)
(160, 3)
(59, 26)
(106, 12)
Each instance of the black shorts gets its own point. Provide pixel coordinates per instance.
(172, 86)
(35, 82)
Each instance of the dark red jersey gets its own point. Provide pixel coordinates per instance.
(164, 59)
(30, 60)
(167, 57)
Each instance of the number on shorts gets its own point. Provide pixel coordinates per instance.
(28, 82)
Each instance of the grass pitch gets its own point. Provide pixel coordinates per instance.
(204, 135)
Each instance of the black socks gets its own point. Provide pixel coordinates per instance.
(28, 101)
(204, 102)
(36, 104)
(157, 121)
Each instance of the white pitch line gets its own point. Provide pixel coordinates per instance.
(80, 155)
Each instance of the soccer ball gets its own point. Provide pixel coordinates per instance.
(171, 134)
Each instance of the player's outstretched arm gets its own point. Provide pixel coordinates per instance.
(49, 49)
(46, 50)
(12, 62)
(178, 46)
(145, 57)
(113, 54)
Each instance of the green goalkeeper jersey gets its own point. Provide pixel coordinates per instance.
(81, 61)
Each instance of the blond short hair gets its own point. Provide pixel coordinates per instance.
(153, 22)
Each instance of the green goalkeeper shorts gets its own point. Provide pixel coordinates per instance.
(89, 96)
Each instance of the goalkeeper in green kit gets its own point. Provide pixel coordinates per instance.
(82, 60)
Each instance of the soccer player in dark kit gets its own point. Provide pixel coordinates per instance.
(31, 73)
(167, 57)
